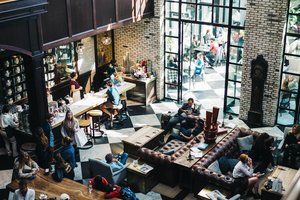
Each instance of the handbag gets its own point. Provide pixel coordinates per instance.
(80, 138)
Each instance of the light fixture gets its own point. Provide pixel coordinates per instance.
(80, 47)
(106, 39)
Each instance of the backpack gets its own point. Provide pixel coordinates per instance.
(128, 194)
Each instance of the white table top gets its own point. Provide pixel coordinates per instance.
(90, 102)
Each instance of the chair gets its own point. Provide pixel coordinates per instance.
(100, 167)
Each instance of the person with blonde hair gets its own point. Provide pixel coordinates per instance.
(244, 176)
(70, 126)
(25, 166)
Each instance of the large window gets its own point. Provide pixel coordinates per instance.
(288, 102)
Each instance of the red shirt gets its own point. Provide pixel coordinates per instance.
(72, 82)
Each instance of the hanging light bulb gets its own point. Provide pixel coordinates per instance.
(80, 47)
(106, 40)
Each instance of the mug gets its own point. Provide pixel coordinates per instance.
(135, 163)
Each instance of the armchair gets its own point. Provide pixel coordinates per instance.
(100, 167)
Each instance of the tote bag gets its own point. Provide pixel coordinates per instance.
(80, 138)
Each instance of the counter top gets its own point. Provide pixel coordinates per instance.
(90, 102)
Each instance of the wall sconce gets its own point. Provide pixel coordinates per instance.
(80, 47)
(106, 40)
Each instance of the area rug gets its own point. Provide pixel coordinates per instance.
(167, 190)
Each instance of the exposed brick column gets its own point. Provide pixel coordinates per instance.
(265, 20)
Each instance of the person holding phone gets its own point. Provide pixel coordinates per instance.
(244, 176)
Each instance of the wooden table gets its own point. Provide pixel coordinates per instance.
(145, 90)
(145, 137)
(46, 185)
(286, 175)
(80, 107)
(139, 181)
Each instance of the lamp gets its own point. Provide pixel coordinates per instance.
(79, 48)
(106, 40)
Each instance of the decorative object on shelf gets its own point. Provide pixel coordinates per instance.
(6, 63)
(211, 125)
(17, 70)
(9, 92)
(126, 63)
(80, 47)
(7, 73)
(18, 79)
(106, 39)
(8, 83)
(19, 88)
(18, 97)
(16, 60)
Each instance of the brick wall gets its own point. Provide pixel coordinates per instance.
(143, 40)
(264, 30)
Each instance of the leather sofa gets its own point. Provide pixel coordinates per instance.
(167, 172)
(228, 146)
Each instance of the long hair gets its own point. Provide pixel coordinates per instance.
(24, 159)
(69, 124)
(42, 138)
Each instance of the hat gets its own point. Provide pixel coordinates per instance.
(64, 196)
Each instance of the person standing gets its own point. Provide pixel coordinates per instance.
(291, 146)
(8, 123)
(113, 100)
(67, 152)
(111, 68)
(24, 193)
(70, 126)
(75, 87)
(42, 147)
(49, 133)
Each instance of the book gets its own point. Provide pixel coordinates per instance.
(144, 168)
(202, 146)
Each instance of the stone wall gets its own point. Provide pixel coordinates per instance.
(143, 40)
(265, 21)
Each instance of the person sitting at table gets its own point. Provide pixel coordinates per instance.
(75, 88)
(184, 112)
(25, 166)
(291, 146)
(67, 151)
(47, 127)
(113, 100)
(207, 36)
(244, 177)
(70, 126)
(261, 152)
(24, 193)
(116, 162)
(42, 148)
(186, 134)
(62, 169)
(212, 51)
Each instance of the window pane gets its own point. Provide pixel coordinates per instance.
(189, 1)
(234, 89)
(171, 76)
(205, 1)
(172, 10)
(294, 7)
(171, 28)
(292, 45)
(290, 83)
(293, 24)
(237, 37)
(188, 11)
(238, 17)
(236, 55)
(204, 13)
(221, 15)
(221, 2)
(285, 117)
(235, 72)
(171, 44)
(239, 3)
(171, 60)
(233, 105)
(291, 64)
(171, 91)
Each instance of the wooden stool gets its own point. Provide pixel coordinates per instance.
(30, 148)
(95, 114)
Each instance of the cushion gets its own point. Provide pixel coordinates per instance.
(215, 167)
(245, 143)
(227, 164)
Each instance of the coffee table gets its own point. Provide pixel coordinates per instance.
(139, 180)
(286, 175)
(145, 137)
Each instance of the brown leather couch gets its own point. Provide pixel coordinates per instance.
(167, 172)
(228, 146)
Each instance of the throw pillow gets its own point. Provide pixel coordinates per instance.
(215, 167)
(245, 143)
(224, 165)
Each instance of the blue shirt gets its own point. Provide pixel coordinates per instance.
(68, 154)
(113, 95)
(116, 166)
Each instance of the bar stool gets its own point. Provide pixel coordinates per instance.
(119, 119)
(95, 114)
(85, 124)
(30, 148)
(123, 111)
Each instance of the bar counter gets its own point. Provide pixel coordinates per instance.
(91, 101)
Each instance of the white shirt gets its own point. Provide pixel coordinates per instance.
(6, 120)
(30, 195)
(242, 170)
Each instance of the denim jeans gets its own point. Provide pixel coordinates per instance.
(123, 158)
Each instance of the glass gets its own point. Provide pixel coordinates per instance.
(189, 1)
(233, 105)
(285, 117)
(294, 7)
(290, 83)
(171, 60)
(221, 15)
(238, 17)
(172, 10)
(235, 72)
(171, 76)
(234, 89)
(221, 2)
(188, 11)
(237, 37)
(204, 13)
(90, 188)
(291, 64)
(171, 28)
(171, 44)
(171, 91)
(205, 1)
(236, 55)
(293, 24)
(239, 3)
(292, 45)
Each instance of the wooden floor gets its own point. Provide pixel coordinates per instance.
(6, 1)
